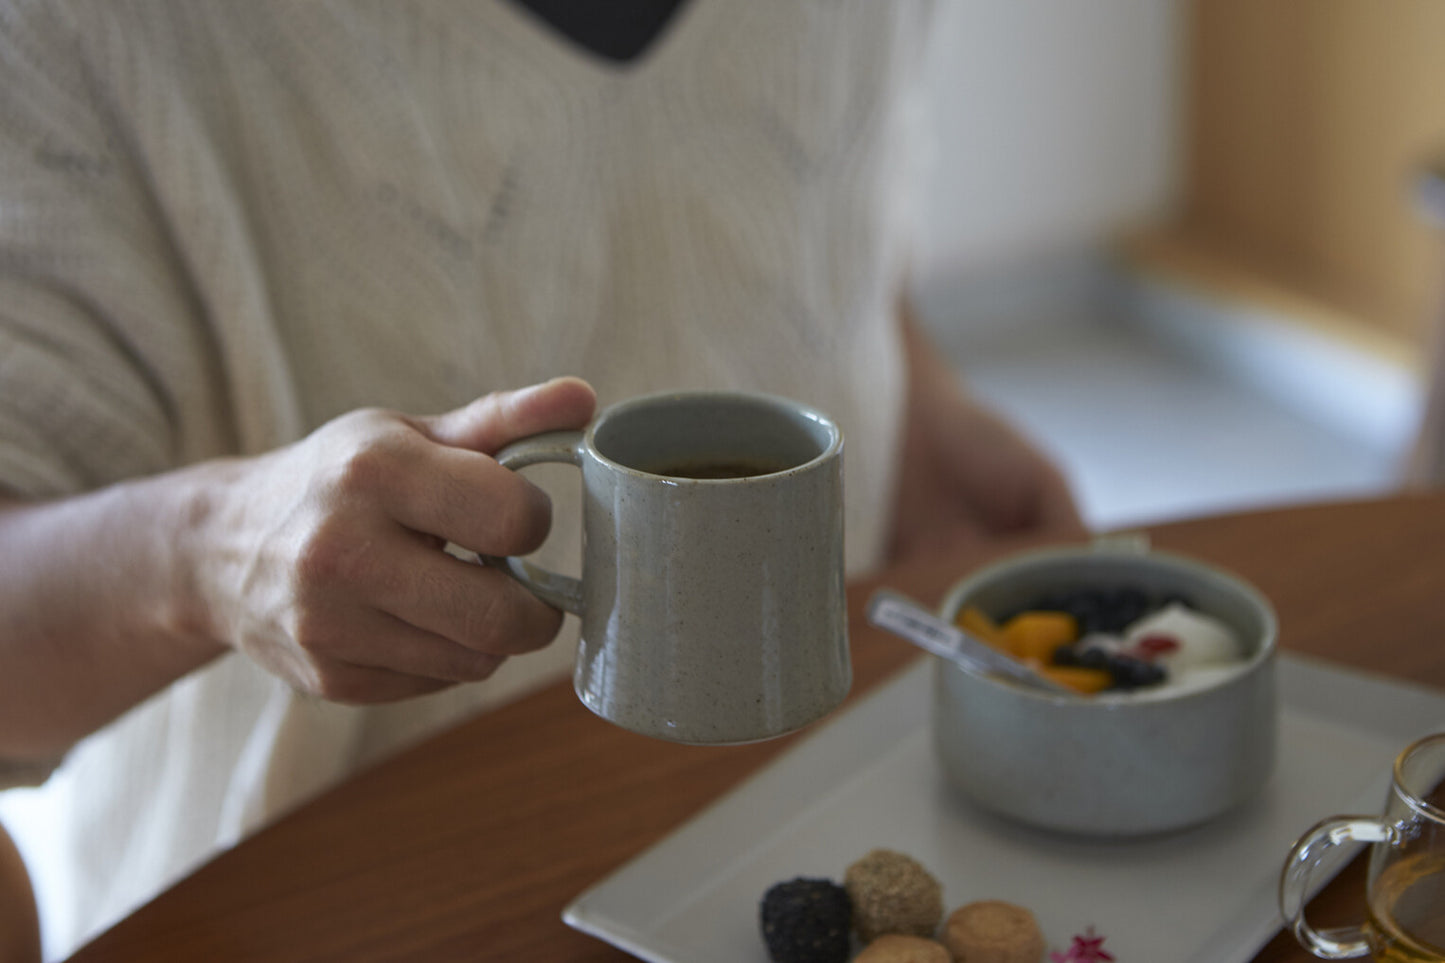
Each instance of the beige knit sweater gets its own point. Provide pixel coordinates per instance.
(223, 223)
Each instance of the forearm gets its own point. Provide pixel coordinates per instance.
(97, 608)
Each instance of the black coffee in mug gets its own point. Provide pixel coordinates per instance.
(707, 468)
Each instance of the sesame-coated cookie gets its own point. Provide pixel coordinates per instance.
(897, 948)
(993, 931)
(892, 893)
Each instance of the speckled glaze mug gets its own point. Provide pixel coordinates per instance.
(712, 591)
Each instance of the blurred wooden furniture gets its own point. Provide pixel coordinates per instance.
(468, 846)
(1304, 122)
(1302, 126)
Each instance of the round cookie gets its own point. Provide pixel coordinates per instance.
(992, 931)
(892, 893)
(897, 948)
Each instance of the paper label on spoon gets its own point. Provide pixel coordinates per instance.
(903, 617)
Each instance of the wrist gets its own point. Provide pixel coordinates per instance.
(178, 514)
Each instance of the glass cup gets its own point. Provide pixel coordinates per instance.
(1405, 889)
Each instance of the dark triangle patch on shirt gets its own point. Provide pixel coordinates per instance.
(615, 30)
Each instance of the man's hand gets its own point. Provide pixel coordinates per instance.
(969, 480)
(323, 561)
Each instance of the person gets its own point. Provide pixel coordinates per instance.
(277, 279)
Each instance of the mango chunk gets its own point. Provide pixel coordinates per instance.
(976, 622)
(1035, 635)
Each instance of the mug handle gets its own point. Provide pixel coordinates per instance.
(559, 591)
(1312, 848)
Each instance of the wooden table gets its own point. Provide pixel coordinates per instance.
(469, 846)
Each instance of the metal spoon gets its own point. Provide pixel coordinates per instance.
(907, 619)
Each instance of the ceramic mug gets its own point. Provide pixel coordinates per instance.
(1405, 888)
(712, 589)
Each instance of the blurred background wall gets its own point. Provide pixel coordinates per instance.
(1227, 188)
(1056, 124)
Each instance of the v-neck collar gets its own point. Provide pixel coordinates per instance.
(618, 31)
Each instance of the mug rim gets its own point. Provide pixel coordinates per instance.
(778, 403)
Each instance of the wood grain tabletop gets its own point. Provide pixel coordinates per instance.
(468, 846)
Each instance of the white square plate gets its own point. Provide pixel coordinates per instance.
(867, 779)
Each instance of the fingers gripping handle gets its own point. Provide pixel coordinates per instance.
(1319, 844)
(557, 590)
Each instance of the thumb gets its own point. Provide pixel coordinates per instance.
(502, 417)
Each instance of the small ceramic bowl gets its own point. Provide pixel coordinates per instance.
(1112, 764)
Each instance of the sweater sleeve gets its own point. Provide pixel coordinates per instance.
(88, 282)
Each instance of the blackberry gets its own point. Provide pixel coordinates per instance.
(1085, 605)
(1106, 610)
(1128, 605)
(807, 921)
(1132, 673)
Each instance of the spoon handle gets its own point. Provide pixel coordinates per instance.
(907, 619)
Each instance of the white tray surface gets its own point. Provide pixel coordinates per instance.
(868, 779)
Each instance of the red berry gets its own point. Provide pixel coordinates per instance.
(1156, 644)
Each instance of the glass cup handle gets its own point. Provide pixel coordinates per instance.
(1317, 844)
(557, 590)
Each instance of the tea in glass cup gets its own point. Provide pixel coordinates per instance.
(1405, 890)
